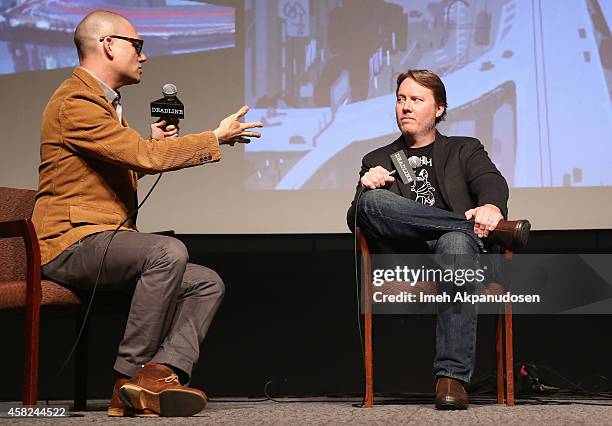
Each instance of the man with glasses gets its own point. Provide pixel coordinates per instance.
(90, 164)
(136, 42)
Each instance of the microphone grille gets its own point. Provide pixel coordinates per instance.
(414, 161)
(169, 89)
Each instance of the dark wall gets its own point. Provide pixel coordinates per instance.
(290, 315)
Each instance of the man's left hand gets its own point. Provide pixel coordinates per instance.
(485, 218)
(161, 129)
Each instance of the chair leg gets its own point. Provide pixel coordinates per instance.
(80, 373)
(369, 361)
(499, 344)
(30, 372)
(509, 356)
(369, 355)
(368, 401)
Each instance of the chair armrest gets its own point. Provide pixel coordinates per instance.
(366, 272)
(363, 244)
(24, 228)
(13, 228)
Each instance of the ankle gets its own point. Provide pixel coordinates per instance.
(182, 376)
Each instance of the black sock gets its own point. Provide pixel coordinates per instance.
(182, 376)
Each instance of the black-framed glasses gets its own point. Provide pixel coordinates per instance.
(136, 42)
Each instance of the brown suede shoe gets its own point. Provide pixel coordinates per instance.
(156, 388)
(511, 234)
(450, 394)
(116, 407)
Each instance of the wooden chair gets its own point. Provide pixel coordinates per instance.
(21, 287)
(503, 339)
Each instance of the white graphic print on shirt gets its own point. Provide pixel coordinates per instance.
(423, 189)
(426, 161)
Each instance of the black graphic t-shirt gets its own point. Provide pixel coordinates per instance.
(425, 189)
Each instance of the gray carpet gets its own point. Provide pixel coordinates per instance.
(335, 413)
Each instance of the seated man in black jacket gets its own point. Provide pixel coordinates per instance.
(456, 205)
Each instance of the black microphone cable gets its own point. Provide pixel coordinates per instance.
(357, 292)
(93, 291)
(356, 250)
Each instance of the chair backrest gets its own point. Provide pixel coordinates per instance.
(14, 204)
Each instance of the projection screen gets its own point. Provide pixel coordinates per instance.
(531, 79)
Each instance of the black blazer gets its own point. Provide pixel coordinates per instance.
(465, 175)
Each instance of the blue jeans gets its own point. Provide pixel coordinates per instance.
(393, 223)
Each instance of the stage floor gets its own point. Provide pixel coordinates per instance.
(333, 412)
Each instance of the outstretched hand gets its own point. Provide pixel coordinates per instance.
(231, 130)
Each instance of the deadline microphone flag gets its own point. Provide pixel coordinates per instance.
(404, 166)
(169, 107)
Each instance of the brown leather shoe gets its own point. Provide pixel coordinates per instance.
(156, 388)
(116, 407)
(511, 234)
(450, 394)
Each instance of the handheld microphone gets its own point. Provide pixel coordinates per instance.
(404, 166)
(169, 107)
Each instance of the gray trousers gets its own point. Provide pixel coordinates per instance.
(173, 301)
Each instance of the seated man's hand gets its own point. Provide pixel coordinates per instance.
(376, 177)
(162, 129)
(485, 217)
(231, 130)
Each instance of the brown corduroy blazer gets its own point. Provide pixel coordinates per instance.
(90, 164)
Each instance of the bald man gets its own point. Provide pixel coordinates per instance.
(90, 165)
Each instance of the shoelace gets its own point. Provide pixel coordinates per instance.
(171, 378)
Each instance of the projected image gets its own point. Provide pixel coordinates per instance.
(531, 80)
(37, 35)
